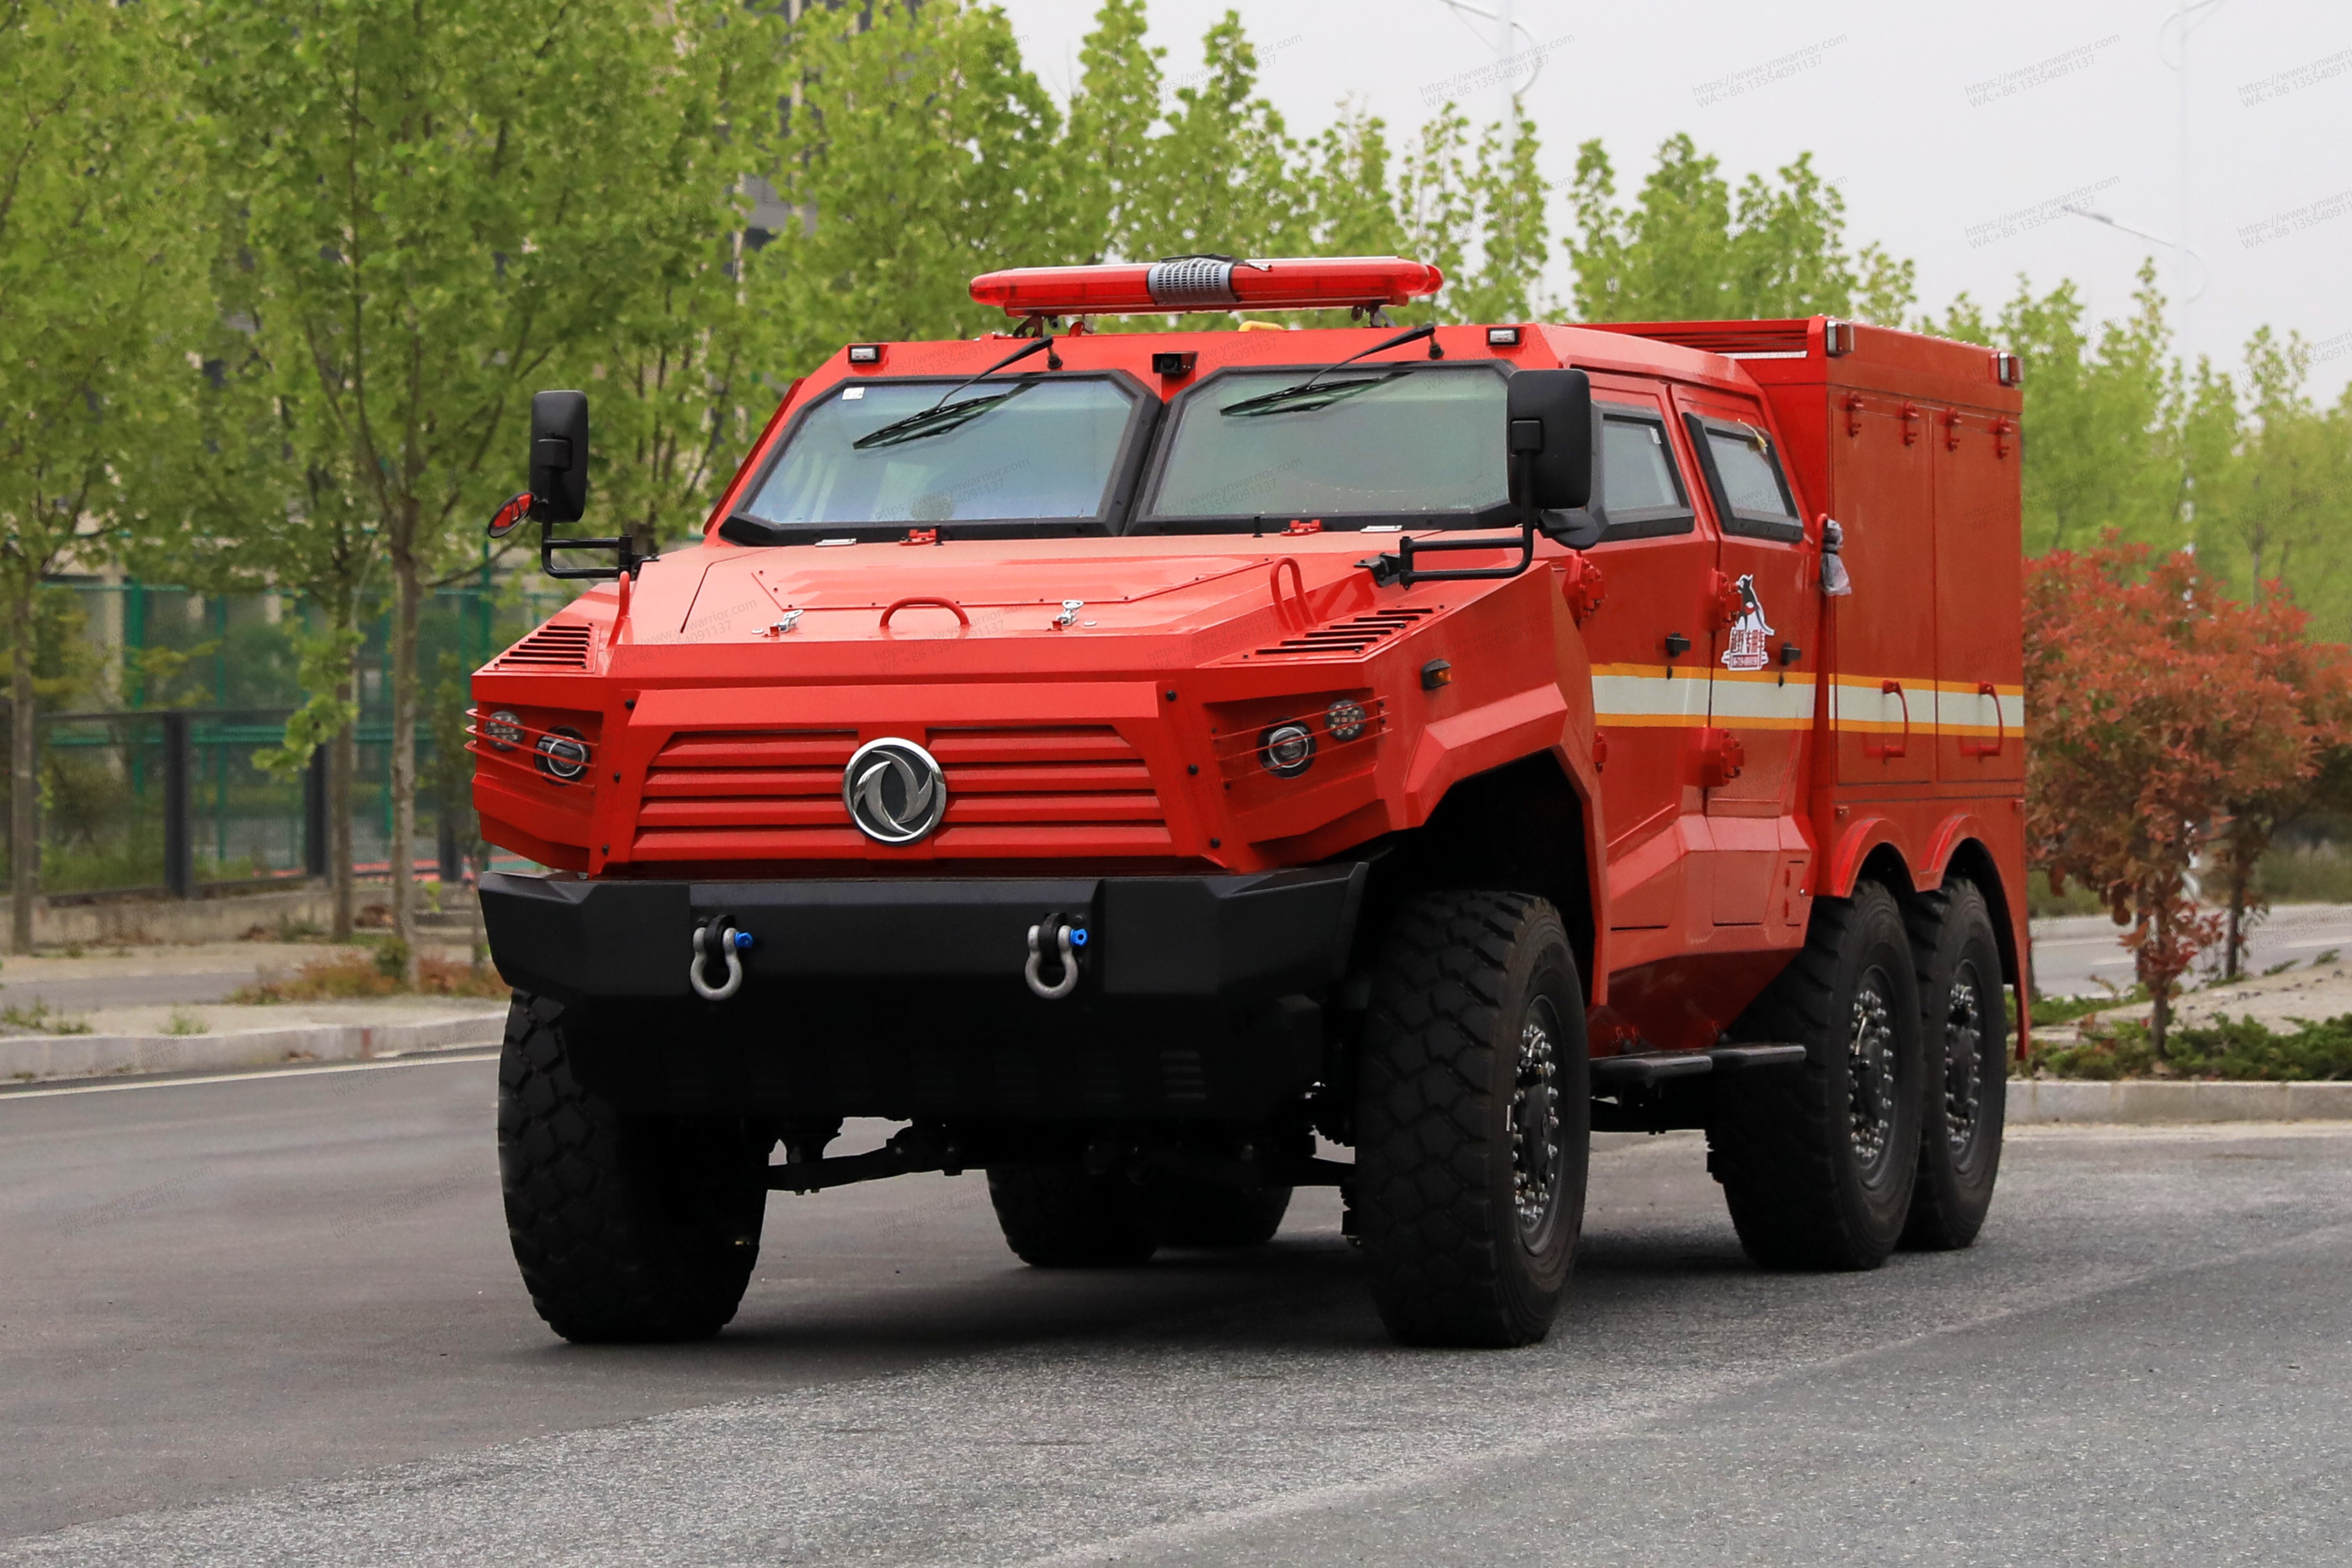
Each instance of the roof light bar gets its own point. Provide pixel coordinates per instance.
(1208, 283)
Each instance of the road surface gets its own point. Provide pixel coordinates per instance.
(273, 1320)
(2072, 954)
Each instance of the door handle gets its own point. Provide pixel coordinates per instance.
(2000, 726)
(1901, 748)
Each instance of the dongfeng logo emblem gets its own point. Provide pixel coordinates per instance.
(895, 791)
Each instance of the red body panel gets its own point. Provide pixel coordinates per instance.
(1719, 798)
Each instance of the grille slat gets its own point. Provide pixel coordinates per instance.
(558, 645)
(1348, 638)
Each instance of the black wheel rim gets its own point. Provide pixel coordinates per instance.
(1536, 1158)
(1870, 1070)
(1964, 1038)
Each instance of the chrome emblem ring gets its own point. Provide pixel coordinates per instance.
(895, 791)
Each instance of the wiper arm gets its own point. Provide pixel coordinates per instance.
(937, 420)
(916, 426)
(1306, 397)
(1283, 397)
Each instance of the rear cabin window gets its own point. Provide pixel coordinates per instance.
(1749, 489)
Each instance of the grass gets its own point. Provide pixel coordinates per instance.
(2053, 1010)
(350, 976)
(38, 1019)
(2236, 1050)
(2040, 902)
(186, 1023)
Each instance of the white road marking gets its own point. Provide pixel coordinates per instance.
(420, 1059)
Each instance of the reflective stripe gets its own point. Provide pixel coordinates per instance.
(1646, 695)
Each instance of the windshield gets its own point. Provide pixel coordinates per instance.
(1000, 450)
(1391, 439)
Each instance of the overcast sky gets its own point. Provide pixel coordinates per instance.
(1958, 134)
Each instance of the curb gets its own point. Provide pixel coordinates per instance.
(2154, 1103)
(100, 1055)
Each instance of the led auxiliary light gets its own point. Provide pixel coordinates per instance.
(1287, 749)
(1345, 720)
(503, 729)
(564, 754)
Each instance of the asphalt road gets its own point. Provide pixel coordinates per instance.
(273, 1320)
(2072, 954)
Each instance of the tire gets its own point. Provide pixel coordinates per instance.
(626, 1228)
(1818, 1162)
(1060, 1217)
(1474, 1120)
(1202, 1214)
(1965, 1034)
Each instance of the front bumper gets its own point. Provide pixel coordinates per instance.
(1241, 939)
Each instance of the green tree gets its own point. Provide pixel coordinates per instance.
(442, 207)
(97, 275)
(1686, 251)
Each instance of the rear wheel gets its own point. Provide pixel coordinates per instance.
(1818, 1160)
(626, 1229)
(1062, 1217)
(1201, 1213)
(1474, 1120)
(1966, 1024)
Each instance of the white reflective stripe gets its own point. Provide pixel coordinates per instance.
(1650, 699)
(1969, 712)
(1764, 703)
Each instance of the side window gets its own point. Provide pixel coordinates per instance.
(1752, 494)
(1639, 492)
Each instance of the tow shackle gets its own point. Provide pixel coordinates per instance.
(716, 940)
(1064, 939)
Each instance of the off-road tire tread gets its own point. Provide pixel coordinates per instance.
(1938, 1223)
(1061, 1217)
(1195, 1213)
(600, 1264)
(1769, 1133)
(1424, 1102)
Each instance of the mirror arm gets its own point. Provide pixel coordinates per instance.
(1399, 568)
(625, 559)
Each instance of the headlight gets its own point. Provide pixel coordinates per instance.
(564, 754)
(503, 729)
(1345, 720)
(1287, 749)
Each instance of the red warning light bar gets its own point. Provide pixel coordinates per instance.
(1208, 283)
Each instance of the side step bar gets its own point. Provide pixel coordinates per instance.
(1654, 1066)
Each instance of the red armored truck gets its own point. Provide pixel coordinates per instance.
(1124, 758)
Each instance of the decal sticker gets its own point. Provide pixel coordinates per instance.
(1745, 649)
(852, 394)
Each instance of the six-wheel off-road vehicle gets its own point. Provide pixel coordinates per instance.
(1124, 758)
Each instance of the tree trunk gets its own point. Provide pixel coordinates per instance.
(342, 772)
(406, 590)
(2237, 930)
(2159, 990)
(24, 781)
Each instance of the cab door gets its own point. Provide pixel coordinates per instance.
(1762, 655)
(1647, 644)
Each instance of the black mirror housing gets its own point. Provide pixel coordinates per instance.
(1547, 438)
(558, 456)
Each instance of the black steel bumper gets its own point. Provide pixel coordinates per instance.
(1231, 939)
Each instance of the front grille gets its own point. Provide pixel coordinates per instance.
(558, 645)
(776, 795)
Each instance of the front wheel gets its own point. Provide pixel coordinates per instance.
(1474, 1120)
(625, 1228)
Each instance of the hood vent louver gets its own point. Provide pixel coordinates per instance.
(1344, 639)
(557, 645)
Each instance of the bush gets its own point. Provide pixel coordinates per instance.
(349, 976)
(2237, 1049)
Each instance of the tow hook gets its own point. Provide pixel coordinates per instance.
(1065, 939)
(719, 929)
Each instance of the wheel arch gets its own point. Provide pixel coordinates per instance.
(1970, 859)
(1525, 826)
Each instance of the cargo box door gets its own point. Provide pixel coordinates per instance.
(1882, 637)
(1979, 656)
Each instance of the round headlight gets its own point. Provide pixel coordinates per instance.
(1345, 720)
(564, 754)
(1287, 748)
(503, 729)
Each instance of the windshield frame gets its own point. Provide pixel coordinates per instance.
(1140, 522)
(738, 527)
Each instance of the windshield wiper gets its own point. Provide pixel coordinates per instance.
(938, 418)
(1297, 398)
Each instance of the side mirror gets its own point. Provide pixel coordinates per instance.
(1547, 434)
(558, 456)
